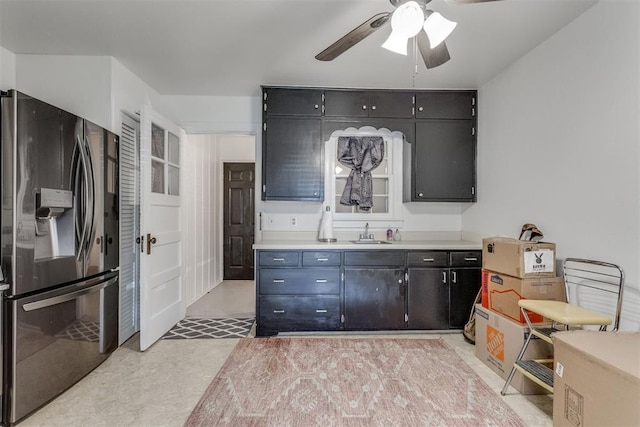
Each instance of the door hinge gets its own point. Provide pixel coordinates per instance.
(473, 191)
(473, 101)
(342, 276)
(406, 277)
(473, 112)
(473, 131)
(406, 317)
(264, 126)
(264, 188)
(342, 318)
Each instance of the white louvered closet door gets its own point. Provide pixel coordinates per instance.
(129, 228)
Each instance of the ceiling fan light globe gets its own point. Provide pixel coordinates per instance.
(407, 19)
(396, 43)
(438, 28)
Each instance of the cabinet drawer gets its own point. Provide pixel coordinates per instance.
(284, 258)
(283, 281)
(466, 259)
(427, 259)
(329, 258)
(299, 313)
(375, 258)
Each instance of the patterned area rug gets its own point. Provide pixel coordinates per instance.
(348, 382)
(210, 328)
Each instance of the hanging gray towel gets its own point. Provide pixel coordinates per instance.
(362, 154)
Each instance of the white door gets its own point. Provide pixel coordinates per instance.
(162, 302)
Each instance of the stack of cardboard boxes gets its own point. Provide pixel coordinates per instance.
(513, 270)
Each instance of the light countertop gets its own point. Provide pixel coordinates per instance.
(346, 244)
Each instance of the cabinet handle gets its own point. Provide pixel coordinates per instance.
(278, 281)
(444, 277)
(316, 106)
(364, 107)
(373, 107)
(420, 108)
(321, 310)
(470, 259)
(428, 260)
(454, 277)
(278, 311)
(420, 194)
(322, 259)
(321, 280)
(279, 259)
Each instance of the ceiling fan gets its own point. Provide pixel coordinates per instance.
(407, 20)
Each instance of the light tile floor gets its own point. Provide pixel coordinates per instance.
(161, 386)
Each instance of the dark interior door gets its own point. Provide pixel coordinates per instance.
(239, 185)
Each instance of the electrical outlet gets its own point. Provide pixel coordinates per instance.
(293, 221)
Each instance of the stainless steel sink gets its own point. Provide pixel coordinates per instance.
(370, 242)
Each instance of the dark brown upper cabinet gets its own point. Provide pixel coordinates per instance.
(369, 103)
(448, 104)
(292, 102)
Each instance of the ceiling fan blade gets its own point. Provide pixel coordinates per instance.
(432, 57)
(354, 36)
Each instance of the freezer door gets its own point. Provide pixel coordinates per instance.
(56, 339)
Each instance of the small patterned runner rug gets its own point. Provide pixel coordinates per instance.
(210, 328)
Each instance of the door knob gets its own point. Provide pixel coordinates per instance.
(150, 241)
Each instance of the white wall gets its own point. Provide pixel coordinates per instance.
(559, 143)
(78, 84)
(203, 201)
(7, 69)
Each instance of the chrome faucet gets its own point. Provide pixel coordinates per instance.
(366, 235)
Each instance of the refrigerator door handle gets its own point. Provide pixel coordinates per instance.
(68, 297)
(91, 203)
(82, 235)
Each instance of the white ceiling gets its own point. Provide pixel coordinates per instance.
(231, 47)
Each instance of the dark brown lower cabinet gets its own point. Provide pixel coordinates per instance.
(364, 290)
(428, 298)
(374, 298)
(463, 288)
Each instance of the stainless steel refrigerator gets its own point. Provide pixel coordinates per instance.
(59, 248)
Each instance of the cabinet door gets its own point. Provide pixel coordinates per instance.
(444, 161)
(346, 103)
(292, 102)
(391, 104)
(445, 105)
(292, 159)
(428, 298)
(374, 299)
(465, 283)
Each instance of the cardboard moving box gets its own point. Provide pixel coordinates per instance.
(519, 258)
(504, 292)
(498, 342)
(596, 379)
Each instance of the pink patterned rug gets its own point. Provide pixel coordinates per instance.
(348, 382)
